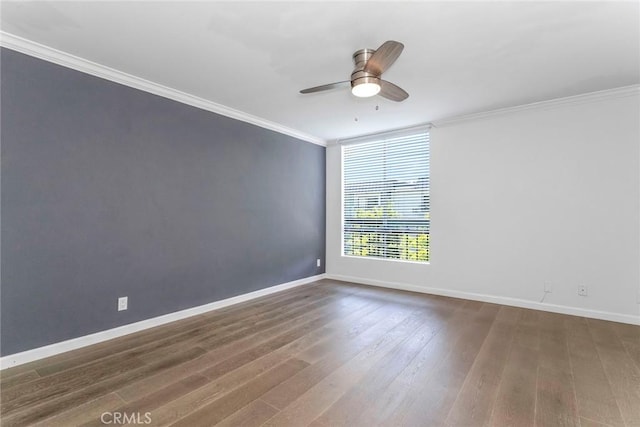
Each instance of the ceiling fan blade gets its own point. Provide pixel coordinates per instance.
(390, 91)
(326, 87)
(384, 57)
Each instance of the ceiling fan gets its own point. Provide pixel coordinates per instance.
(366, 78)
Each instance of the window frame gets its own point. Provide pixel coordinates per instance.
(372, 138)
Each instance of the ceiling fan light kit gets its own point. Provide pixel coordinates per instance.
(366, 78)
(363, 88)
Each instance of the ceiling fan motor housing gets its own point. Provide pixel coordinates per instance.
(359, 76)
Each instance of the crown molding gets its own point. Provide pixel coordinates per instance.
(37, 50)
(600, 95)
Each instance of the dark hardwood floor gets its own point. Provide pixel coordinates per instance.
(338, 354)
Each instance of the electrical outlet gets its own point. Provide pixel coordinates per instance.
(582, 290)
(318, 262)
(548, 287)
(123, 302)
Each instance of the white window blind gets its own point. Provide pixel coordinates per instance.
(386, 198)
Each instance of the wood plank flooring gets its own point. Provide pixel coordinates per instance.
(338, 354)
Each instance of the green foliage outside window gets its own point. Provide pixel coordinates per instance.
(411, 246)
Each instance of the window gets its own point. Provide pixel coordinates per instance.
(386, 198)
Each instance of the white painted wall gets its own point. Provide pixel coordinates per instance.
(550, 193)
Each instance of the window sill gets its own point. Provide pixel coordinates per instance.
(401, 261)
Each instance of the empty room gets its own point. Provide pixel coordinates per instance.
(320, 214)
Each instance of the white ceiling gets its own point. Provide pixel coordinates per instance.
(459, 57)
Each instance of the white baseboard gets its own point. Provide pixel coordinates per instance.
(75, 343)
(515, 302)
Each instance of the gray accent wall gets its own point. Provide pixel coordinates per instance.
(109, 191)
